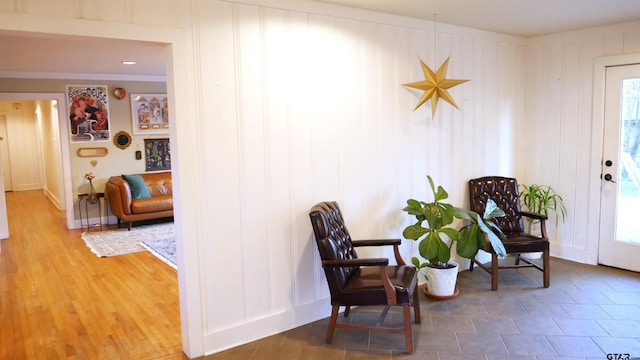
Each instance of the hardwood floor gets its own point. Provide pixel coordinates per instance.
(59, 301)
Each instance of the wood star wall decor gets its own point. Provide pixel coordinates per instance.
(435, 86)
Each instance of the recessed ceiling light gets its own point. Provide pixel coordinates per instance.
(128, 62)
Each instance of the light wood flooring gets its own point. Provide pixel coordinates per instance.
(59, 301)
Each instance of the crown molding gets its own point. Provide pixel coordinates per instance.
(81, 76)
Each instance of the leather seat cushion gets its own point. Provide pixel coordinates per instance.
(517, 243)
(365, 286)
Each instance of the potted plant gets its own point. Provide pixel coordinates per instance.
(435, 233)
(541, 199)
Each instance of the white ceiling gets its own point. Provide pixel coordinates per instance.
(50, 54)
(23, 53)
(513, 17)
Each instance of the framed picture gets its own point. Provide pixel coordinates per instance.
(88, 113)
(157, 154)
(150, 114)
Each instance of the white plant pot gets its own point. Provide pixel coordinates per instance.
(533, 255)
(533, 230)
(441, 282)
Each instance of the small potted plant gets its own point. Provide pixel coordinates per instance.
(541, 199)
(436, 235)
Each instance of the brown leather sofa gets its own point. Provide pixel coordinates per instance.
(129, 209)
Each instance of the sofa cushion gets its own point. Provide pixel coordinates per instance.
(138, 186)
(152, 204)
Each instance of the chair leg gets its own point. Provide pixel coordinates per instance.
(546, 270)
(416, 306)
(347, 309)
(408, 334)
(518, 259)
(494, 271)
(332, 323)
(471, 264)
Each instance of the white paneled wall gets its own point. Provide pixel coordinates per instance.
(300, 107)
(563, 131)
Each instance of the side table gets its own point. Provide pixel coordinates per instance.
(83, 201)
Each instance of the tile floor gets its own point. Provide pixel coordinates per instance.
(587, 313)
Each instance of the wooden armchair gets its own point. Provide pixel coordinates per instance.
(504, 191)
(362, 282)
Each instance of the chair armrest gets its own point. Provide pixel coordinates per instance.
(543, 223)
(356, 262)
(383, 242)
(377, 242)
(535, 216)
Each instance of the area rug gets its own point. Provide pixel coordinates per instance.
(163, 249)
(123, 241)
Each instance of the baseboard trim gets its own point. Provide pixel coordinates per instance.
(227, 338)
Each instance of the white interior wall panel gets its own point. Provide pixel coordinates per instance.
(632, 41)
(222, 245)
(575, 192)
(277, 133)
(311, 108)
(251, 120)
(305, 263)
(568, 156)
(143, 12)
(568, 145)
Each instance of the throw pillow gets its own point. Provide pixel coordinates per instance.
(138, 187)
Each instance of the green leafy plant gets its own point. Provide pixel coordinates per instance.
(542, 199)
(435, 219)
(474, 236)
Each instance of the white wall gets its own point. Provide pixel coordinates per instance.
(305, 105)
(283, 105)
(565, 136)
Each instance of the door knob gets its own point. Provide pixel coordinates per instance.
(608, 177)
(608, 163)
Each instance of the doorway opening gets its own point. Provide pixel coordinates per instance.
(44, 72)
(41, 132)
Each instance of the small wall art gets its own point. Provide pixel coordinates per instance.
(157, 154)
(150, 113)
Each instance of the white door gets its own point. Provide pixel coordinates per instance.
(620, 196)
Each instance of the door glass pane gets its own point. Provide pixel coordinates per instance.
(627, 225)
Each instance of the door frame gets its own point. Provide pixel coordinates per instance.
(2, 163)
(597, 141)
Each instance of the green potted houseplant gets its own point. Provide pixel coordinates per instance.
(541, 199)
(435, 232)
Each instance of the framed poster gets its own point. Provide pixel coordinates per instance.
(157, 154)
(88, 113)
(150, 114)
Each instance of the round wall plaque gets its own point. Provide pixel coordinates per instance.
(122, 139)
